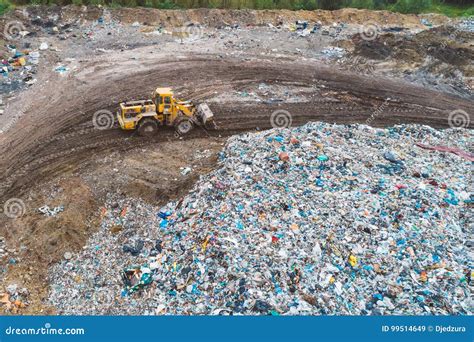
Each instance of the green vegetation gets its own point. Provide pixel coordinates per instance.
(410, 6)
(4, 5)
(452, 8)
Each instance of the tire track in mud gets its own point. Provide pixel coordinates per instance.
(59, 136)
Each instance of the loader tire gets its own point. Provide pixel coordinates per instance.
(147, 127)
(184, 126)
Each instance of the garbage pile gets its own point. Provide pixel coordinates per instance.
(18, 68)
(467, 24)
(333, 52)
(316, 220)
(303, 29)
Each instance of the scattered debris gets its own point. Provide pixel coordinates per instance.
(185, 171)
(14, 298)
(426, 22)
(3, 246)
(459, 152)
(135, 278)
(17, 70)
(467, 25)
(47, 211)
(61, 69)
(333, 52)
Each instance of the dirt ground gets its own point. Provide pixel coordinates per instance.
(54, 155)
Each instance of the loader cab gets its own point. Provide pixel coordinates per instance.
(163, 99)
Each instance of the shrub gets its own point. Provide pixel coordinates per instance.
(412, 6)
(4, 6)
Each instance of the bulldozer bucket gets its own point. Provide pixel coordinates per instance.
(205, 114)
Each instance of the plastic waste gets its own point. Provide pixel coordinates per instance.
(314, 220)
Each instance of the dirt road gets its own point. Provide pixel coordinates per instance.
(58, 132)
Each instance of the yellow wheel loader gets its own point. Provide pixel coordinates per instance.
(163, 110)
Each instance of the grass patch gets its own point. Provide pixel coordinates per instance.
(452, 10)
(5, 5)
(456, 8)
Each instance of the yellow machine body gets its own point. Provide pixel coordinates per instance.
(163, 110)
